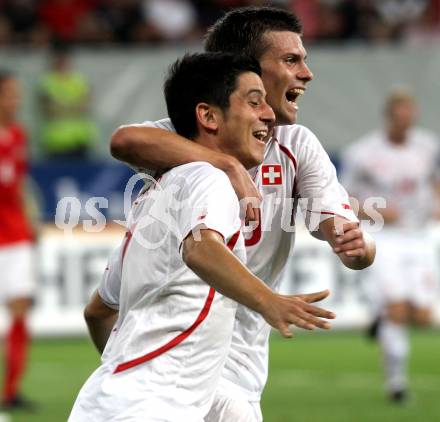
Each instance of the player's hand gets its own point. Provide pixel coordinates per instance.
(245, 189)
(283, 311)
(349, 240)
(356, 249)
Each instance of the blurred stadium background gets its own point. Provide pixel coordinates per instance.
(358, 50)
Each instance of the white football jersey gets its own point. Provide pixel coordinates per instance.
(165, 355)
(402, 174)
(295, 171)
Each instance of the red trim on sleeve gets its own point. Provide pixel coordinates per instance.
(183, 335)
(327, 212)
(323, 212)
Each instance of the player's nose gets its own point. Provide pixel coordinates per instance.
(267, 115)
(305, 74)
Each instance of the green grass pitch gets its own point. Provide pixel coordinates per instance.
(316, 377)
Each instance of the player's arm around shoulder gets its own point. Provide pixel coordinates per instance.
(156, 146)
(355, 248)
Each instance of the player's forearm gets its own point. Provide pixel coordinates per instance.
(158, 149)
(222, 270)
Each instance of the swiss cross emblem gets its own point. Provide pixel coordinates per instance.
(272, 174)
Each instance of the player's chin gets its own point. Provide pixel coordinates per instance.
(286, 117)
(258, 152)
(289, 114)
(255, 158)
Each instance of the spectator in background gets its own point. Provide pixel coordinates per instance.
(21, 22)
(426, 28)
(169, 20)
(327, 20)
(401, 164)
(120, 20)
(134, 21)
(67, 20)
(393, 18)
(17, 284)
(64, 93)
(210, 10)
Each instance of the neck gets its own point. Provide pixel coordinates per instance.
(208, 141)
(397, 136)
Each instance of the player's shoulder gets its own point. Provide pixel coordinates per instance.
(165, 124)
(370, 142)
(425, 138)
(291, 135)
(300, 140)
(200, 172)
(200, 180)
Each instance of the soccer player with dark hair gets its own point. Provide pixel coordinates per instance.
(295, 166)
(177, 274)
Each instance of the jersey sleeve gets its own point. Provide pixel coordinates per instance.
(164, 124)
(110, 286)
(209, 203)
(321, 196)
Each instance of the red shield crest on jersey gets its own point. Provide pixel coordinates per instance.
(271, 174)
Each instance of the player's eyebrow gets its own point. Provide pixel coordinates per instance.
(255, 91)
(295, 56)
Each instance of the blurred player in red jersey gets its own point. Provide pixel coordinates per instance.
(16, 281)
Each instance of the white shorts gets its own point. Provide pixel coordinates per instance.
(232, 405)
(17, 271)
(404, 270)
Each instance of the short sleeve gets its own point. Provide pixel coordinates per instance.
(209, 202)
(164, 124)
(321, 195)
(110, 286)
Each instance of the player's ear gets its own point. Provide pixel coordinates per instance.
(207, 116)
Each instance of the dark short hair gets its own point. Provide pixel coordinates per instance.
(241, 30)
(203, 77)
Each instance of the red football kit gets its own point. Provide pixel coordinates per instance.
(14, 226)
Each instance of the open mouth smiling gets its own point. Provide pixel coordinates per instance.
(293, 94)
(260, 134)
